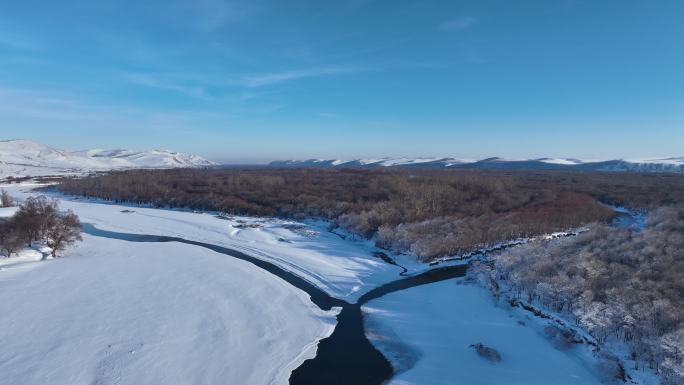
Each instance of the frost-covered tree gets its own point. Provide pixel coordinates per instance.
(64, 230)
(10, 237)
(35, 216)
(617, 284)
(6, 200)
(39, 219)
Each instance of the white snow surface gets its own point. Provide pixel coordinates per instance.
(7, 211)
(409, 161)
(22, 157)
(437, 323)
(562, 161)
(116, 312)
(676, 161)
(396, 161)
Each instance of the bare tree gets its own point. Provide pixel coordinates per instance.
(38, 219)
(10, 238)
(6, 200)
(35, 217)
(63, 230)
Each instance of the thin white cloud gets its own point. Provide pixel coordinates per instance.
(16, 42)
(209, 15)
(57, 110)
(328, 114)
(36, 103)
(163, 84)
(196, 86)
(457, 24)
(278, 77)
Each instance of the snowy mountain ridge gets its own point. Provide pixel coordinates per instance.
(673, 164)
(23, 157)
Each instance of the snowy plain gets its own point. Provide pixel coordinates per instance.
(7, 211)
(116, 312)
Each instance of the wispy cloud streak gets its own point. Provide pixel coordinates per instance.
(162, 84)
(457, 24)
(328, 114)
(196, 86)
(278, 77)
(16, 42)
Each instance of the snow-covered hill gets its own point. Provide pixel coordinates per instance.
(639, 165)
(27, 158)
(373, 162)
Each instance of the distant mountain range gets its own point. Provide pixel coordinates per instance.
(645, 165)
(27, 158)
(22, 157)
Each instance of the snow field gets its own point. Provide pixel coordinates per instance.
(437, 323)
(117, 312)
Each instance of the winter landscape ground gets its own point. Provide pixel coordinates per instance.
(348, 192)
(169, 312)
(441, 328)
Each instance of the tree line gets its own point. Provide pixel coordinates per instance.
(38, 219)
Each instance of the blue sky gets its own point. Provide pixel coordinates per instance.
(251, 81)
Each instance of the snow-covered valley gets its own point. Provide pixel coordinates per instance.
(177, 313)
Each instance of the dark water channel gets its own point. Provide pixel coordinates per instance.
(346, 357)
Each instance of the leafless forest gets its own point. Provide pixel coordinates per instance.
(430, 214)
(426, 212)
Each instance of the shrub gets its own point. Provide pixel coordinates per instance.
(489, 354)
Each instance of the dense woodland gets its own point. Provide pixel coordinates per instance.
(430, 213)
(619, 284)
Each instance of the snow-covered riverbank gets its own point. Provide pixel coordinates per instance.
(121, 312)
(344, 268)
(436, 324)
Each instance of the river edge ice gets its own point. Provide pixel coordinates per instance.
(345, 269)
